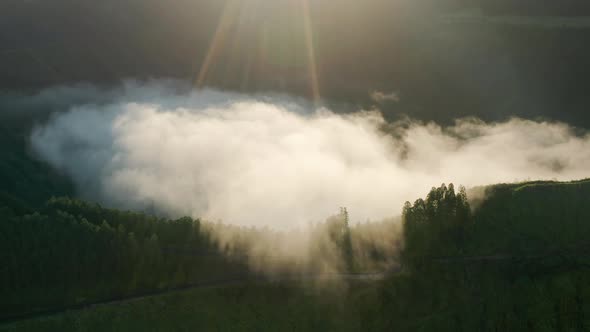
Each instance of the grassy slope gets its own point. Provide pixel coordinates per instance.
(246, 307)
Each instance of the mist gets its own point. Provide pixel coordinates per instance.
(280, 162)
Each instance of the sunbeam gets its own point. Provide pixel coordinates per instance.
(283, 49)
(311, 60)
(226, 22)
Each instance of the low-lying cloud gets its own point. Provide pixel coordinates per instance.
(257, 161)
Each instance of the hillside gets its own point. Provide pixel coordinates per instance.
(518, 261)
(521, 222)
(534, 218)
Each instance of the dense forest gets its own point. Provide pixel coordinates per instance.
(517, 259)
(71, 252)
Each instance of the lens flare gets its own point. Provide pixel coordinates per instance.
(283, 51)
(311, 60)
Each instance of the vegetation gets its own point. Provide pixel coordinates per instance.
(516, 261)
(26, 181)
(244, 307)
(71, 252)
(68, 253)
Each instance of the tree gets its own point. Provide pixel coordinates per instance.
(436, 226)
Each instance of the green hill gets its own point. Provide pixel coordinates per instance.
(516, 262)
(533, 218)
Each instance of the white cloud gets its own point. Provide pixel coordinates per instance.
(254, 161)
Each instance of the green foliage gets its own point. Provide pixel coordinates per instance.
(436, 226)
(533, 219)
(25, 179)
(72, 252)
(516, 261)
(480, 299)
(75, 252)
(542, 223)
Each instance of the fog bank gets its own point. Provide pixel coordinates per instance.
(252, 160)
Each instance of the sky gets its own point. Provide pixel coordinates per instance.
(342, 51)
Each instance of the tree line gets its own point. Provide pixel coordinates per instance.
(70, 252)
(516, 261)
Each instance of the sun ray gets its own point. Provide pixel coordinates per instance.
(225, 24)
(310, 52)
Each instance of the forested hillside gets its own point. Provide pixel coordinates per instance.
(517, 260)
(528, 221)
(25, 179)
(70, 252)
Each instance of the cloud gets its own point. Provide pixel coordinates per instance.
(252, 160)
(382, 97)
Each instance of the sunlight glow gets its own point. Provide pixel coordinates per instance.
(311, 60)
(225, 23)
(269, 56)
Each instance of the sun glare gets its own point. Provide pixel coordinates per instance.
(285, 44)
